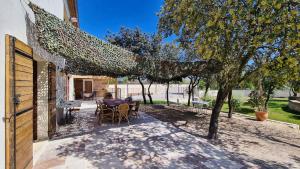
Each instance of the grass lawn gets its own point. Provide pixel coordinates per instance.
(278, 110)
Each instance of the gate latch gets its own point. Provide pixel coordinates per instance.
(17, 99)
(9, 118)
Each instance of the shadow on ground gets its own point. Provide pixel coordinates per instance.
(176, 140)
(237, 135)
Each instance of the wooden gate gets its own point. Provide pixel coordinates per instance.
(51, 100)
(18, 104)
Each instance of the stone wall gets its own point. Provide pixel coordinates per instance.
(294, 105)
(294, 98)
(42, 100)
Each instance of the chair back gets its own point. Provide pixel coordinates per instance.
(108, 96)
(128, 99)
(137, 106)
(94, 94)
(123, 108)
(98, 103)
(103, 106)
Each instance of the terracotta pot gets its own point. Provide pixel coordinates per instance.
(261, 115)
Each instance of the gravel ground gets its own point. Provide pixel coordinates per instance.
(258, 144)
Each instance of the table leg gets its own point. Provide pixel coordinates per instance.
(70, 111)
(66, 119)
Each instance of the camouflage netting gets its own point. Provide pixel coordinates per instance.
(87, 55)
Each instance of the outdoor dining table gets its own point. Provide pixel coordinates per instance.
(112, 103)
(70, 106)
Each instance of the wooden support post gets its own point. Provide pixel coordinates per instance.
(116, 88)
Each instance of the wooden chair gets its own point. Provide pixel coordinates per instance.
(105, 113)
(98, 103)
(135, 110)
(122, 111)
(108, 96)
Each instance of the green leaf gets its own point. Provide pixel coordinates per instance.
(210, 23)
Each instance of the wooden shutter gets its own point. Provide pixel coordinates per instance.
(18, 104)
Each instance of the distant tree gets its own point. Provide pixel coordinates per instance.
(295, 87)
(155, 49)
(229, 99)
(294, 83)
(233, 32)
(170, 52)
(277, 74)
(138, 42)
(246, 84)
(190, 55)
(194, 81)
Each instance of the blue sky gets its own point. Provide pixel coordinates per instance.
(97, 17)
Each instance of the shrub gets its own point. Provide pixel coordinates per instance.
(212, 103)
(235, 104)
(207, 98)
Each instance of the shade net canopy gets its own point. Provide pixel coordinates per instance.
(87, 55)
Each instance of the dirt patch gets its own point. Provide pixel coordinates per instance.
(265, 144)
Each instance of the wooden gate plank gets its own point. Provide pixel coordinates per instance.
(24, 83)
(21, 60)
(24, 90)
(24, 98)
(23, 47)
(22, 68)
(24, 76)
(8, 104)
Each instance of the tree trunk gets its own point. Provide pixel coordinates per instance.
(168, 84)
(206, 88)
(149, 93)
(269, 92)
(189, 94)
(189, 98)
(213, 125)
(143, 90)
(192, 91)
(294, 92)
(230, 104)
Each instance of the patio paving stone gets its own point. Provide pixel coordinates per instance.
(146, 143)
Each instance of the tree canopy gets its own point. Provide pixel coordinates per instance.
(235, 33)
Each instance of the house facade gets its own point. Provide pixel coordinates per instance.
(91, 87)
(32, 81)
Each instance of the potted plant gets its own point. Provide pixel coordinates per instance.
(257, 100)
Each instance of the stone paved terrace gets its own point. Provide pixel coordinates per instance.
(146, 143)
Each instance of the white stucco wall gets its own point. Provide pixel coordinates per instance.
(12, 22)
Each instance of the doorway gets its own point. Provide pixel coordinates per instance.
(87, 86)
(78, 85)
